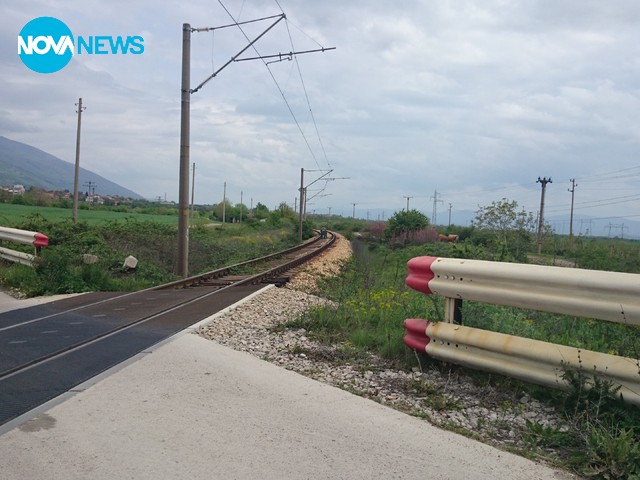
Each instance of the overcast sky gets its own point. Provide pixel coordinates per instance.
(472, 99)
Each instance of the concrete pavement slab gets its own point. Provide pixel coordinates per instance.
(193, 409)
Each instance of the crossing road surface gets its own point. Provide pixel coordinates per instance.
(193, 409)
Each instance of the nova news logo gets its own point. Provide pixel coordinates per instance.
(46, 45)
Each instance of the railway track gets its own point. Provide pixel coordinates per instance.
(50, 349)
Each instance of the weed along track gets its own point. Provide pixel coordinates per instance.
(268, 267)
(48, 350)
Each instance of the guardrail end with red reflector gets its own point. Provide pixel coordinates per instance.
(416, 337)
(25, 237)
(40, 240)
(420, 274)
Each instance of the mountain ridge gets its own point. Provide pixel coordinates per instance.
(24, 164)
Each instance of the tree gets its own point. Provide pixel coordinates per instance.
(510, 231)
(404, 222)
(260, 211)
(282, 213)
(222, 207)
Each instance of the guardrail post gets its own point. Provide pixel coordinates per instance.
(453, 310)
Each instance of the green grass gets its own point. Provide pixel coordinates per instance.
(11, 215)
(61, 267)
(584, 333)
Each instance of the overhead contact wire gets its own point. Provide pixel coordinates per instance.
(276, 82)
(306, 95)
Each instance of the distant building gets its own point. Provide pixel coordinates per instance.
(17, 189)
(94, 199)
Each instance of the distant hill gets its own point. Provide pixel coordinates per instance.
(26, 165)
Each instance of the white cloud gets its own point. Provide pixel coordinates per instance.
(474, 99)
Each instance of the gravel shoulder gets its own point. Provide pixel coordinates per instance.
(444, 397)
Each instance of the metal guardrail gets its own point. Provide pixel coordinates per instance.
(25, 237)
(610, 296)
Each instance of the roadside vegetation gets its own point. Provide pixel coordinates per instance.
(89, 256)
(601, 437)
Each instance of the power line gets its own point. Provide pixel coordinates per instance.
(603, 176)
(306, 95)
(600, 203)
(266, 64)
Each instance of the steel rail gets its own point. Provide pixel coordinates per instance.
(195, 279)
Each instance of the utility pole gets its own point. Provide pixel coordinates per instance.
(183, 186)
(91, 187)
(77, 169)
(407, 201)
(301, 204)
(590, 222)
(241, 206)
(306, 199)
(450, 207)
(303, 195)
(193, 190)
(434, 216)
(224, 203)
(610, 227)
(185, 114)
(572, 190)
(544, 182)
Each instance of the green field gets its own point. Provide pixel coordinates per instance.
(12, 215)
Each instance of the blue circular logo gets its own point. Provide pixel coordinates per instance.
(45, 45)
